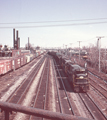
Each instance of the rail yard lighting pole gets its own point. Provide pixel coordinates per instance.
(99, 45)
(63, 48)
(66, 50)
(79, 50)
(70, 51)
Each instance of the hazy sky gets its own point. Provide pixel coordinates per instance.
(52, 23)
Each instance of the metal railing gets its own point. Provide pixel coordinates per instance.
(9, 107)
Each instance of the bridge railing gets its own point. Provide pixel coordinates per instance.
(9, 107)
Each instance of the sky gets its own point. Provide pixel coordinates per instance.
(54, 23)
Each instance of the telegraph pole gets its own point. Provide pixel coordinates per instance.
(28, 43)
(66, 50)
(99, 45)
(70, 51)
(79, 50)
(63, 48)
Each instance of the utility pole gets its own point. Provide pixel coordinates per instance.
(66, 50)
(63, 48)
(70, 51)
(99, 45)
(28, 44)
(79, 50)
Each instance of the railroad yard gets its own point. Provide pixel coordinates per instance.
(43, 84)
(53, 60)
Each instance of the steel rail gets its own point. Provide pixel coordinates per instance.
(3, 76)
(99, 85)
(102, 88)
(97, 106)
(60, 106)
(65, 91)
(38, 88)
(25, 81)
(97, 77)
(47, 84)
(99, 91)
(87, 107)
(32, 78)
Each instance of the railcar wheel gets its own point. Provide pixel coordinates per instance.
(76, 90)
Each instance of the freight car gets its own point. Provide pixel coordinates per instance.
(77, 75)
(5, 66)
(12, 63)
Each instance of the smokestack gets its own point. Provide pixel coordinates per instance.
(18, 42)
(17, 35)
(13, 38)
(17, 46)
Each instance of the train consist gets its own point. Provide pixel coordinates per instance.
(14, 58)
(17, 59)
(78, 76)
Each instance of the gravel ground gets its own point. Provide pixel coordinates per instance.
(16, 84)
(52, 100)
(29, 95)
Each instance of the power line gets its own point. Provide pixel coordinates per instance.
(56, 21)
(89, 39)
(58, 25)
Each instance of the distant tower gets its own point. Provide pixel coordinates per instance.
(14, 38)
(17, 39)
(16, 42)
(19, 43)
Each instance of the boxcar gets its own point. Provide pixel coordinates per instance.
(5, 66)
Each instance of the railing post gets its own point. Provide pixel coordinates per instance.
(6, 115)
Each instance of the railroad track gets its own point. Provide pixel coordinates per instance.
(64, 101)
(97, 77)
(19, 93)
(11, 77)
(40, 99)
(41, 95)
(92, 107)
(99, 88)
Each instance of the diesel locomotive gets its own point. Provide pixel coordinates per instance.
(77, 75)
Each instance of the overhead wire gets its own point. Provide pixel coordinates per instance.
(57, 25)
(56, 21)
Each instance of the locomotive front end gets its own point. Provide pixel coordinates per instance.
(81, 79)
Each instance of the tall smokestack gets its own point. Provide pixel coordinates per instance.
(14, 38)
(17, 40)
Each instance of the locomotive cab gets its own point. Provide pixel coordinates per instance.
(79, 78)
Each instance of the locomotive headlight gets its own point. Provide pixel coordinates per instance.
(81, 77)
